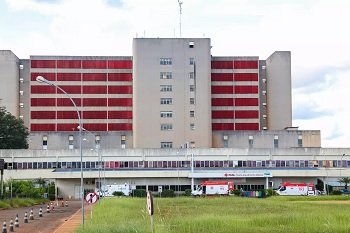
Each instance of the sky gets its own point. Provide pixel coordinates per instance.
(316, 32)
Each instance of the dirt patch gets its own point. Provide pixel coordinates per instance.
(48, 223)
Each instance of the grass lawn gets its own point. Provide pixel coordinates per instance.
(223, 215)
(19, 202)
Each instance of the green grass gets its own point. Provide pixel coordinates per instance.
(223, 215)
(19, 202)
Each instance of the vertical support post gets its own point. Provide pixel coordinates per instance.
(267, 182)
(2, 183)
(192, 171)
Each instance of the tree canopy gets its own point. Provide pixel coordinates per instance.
(13, 133)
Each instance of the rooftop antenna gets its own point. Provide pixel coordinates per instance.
(180, 8)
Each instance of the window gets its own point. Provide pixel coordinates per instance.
(192, 88)
(191, 44)
(123, 141)
(45, 142)
(166, 127)
(191, 75)
(192, 126)
(166, 101)
(166, 88)
(191, 113)
(191, 61)
(166, 114)
(166, 145)
(70, 142)
(275, 142)
(300, 141)
(251, 141)
(191, 100)
(166, 61)
(193, 144)
(166, 75)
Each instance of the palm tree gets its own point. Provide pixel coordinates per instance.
(345, 180)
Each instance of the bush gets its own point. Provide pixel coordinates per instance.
(188, 192)
(236, 192)
(336, 192)
(168, 193)
(139, 193)
(118, 193)
(270, 192)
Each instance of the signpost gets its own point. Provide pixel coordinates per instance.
(2, 165)
(150, 208)
(91, 198)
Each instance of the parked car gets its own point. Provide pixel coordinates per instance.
(345, 191)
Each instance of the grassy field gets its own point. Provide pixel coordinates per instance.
(223, 215)
(19, 202)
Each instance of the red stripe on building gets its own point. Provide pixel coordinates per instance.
(119, 89)
(222, 89)
(94, 77)
(42, 102)
(43, 63)
(67, 115)
(247, 102)
(42, 89)
(121, 64)
(42, 115)
(68, 127)
(68, 77)
(221, 77)
(96, 127)
(48, 76)
(246, 89)
(246, 77)
(95, 102)
(70, 89)
(224, 114)
(222, 64)
(120, 102)
(246, 114)
(94, 89)
(42, 127)
(119, 127)
(95, 64)
(247, 126)
(222, 101)
(67, 102)
(246, 64)
(95, 115)
(223, 126)
(120, 115)
(72, 64)
(119, 77)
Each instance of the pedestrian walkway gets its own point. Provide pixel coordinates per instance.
(72, 224)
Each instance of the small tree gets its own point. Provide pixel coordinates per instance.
(345, 180)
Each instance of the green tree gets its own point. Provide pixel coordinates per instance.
(13, 133)
(345, 180)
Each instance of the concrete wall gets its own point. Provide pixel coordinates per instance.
(146, 100)
(24, 89)
(279, 88)
(9, 78)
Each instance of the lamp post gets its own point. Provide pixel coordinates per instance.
(41, 79)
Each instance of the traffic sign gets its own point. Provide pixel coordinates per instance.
(91, 198)
(149, 203)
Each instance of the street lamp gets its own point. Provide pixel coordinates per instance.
(41, 79)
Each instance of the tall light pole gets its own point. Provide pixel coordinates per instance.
(341, 167)
(41, 79)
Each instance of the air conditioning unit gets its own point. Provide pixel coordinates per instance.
(225, 137)
(264, 104)
(21, 80)
(264, 116)
(21, 67)
(264, 128)
(264, 92)
(264, 80)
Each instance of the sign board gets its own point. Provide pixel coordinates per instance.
(250, 174)
(160, 189)
(91, 198)
(149, 203)
(2, 164)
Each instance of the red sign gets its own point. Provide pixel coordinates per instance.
(149, 203)
(91, 198)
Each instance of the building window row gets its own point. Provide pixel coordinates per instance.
(166, 145)
(166, 127)
(166, 75)
(166, 88)
(166, 101)
(166, 61)
(166, 114)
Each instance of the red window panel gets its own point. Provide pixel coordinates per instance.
(42, 127)
(42, 102)
(42, 115)
(68, 127)
(119, 77)
(68, 77)
(42, 89)
(246, 64)
(95, 102)
(120, 115)
(95, 127)
(223, 126)
(67, 102)
(221, 77)
(94, 89)
(69, 64)
(247, 126)
(95, 77)
(222, 101)
(246, 101)
(119, 89)
(119, 127)
(246, 77)
(122, 64)
(222, 64)
(222, 114)
(43, 63)
(94, 64)
(70, 89)
(120, 102)
(246, 89)
(48, 76)
(95, 115)
(245, 114)
(221, 89)
(67, 115)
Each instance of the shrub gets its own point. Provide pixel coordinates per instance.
(168, 193)
(270, 192)
(236, 192)
(118, 193)
(336, 192)
(188, 192)
(139, 193)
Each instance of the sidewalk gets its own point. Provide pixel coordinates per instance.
(73, 222)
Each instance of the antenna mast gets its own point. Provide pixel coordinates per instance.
(180, 8)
